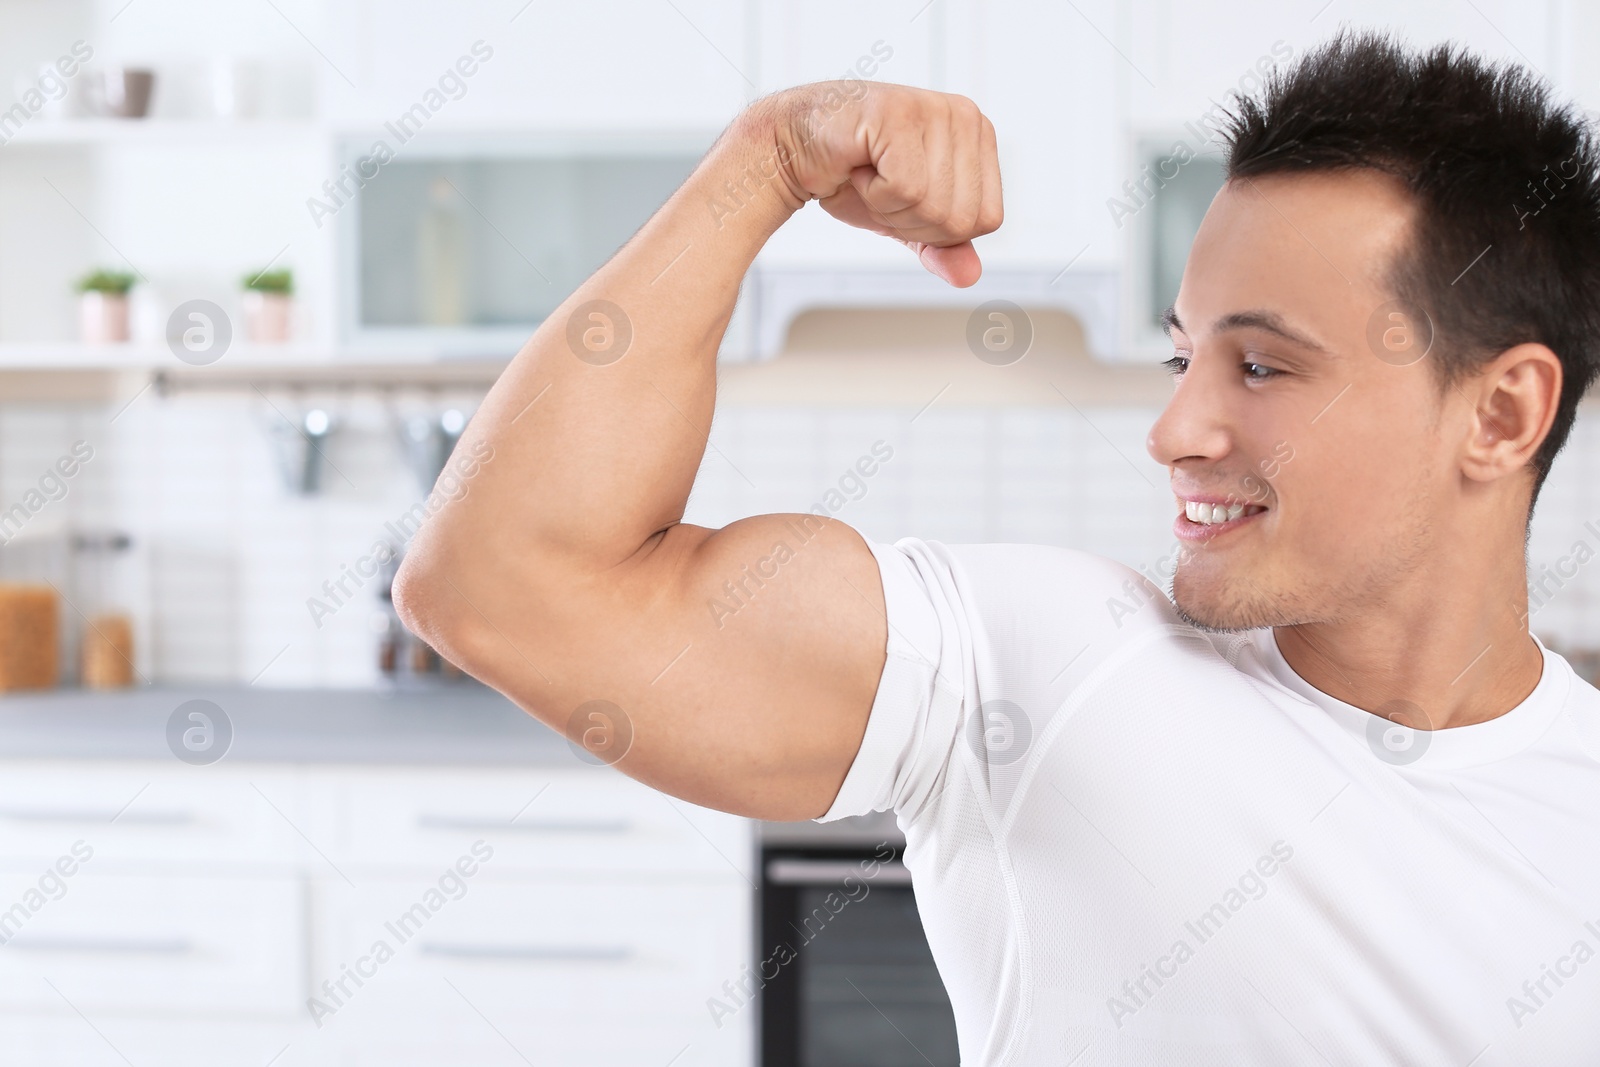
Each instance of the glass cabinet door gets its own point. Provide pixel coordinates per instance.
(463, 247)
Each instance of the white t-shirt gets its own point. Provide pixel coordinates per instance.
(1136, 843)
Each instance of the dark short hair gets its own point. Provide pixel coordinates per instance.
(1507, 182)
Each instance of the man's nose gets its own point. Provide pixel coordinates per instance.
(1193, 424)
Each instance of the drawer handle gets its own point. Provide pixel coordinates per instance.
(532, 953)
(832, 872)
(530, 826)
(89, 815)
(107, 946)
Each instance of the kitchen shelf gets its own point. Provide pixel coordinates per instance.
(40, 365)
(486, 137)
(373, 374)
(137, 356)
(199, 132)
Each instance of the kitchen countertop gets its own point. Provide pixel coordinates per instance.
(465, 725)
(462, 723)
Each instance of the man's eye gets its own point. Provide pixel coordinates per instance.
(1257, 372)
(1177, 364)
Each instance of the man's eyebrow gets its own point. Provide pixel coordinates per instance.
(1268, 321)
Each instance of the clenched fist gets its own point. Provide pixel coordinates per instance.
(913, 164)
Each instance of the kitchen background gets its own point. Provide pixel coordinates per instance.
(259, 260)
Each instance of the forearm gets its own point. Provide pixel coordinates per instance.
(599, 424)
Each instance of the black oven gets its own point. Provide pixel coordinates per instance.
(846, 978)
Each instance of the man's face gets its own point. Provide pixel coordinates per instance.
(1331, 457)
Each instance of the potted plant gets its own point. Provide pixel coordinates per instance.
(268, 305)
(103, 305)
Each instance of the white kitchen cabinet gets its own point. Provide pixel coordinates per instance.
(128, 816)
(65, 1039)
(173, 945)
(566, 970)
(1056, 91)
(891, 40)
(232, 912)
(539, 822)
(1072, 88)
(605, 64)
(1196, 54)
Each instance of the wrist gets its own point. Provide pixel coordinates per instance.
(752, 163)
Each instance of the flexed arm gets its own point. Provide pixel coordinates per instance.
(565, 575)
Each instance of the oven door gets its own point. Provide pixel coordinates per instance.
(848, 978)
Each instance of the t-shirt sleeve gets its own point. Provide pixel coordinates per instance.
(984, 643)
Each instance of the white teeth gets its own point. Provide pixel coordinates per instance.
(1211, 514)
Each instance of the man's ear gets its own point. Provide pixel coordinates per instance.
(1514, 398)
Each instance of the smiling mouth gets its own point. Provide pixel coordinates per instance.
(1204, 514)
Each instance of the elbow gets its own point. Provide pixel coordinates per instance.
(424, 599)
(474, 606)
(447, 600)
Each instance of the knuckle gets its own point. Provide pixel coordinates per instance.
(915, 187)
(901, 106)
(962, 111)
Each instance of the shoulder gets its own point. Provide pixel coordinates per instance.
(1017, 608)
(985, 642)
(1583, 708)
(1042, 580)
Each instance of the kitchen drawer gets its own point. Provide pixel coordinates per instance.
(578, 821)
(125, 943)
(584, 964)
(147, 812)
(65, 1040)
(621, 1046)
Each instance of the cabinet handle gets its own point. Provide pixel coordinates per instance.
(530, 826)
(532, 953)
(104, 946)
(89, 815)
(832, 872)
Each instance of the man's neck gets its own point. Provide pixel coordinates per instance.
(1447, 668)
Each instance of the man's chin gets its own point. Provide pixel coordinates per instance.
(1213, 622)
(1218, 606)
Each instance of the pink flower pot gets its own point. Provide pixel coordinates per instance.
(267, 317)
(103, 318)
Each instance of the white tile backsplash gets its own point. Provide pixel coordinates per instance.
(226, 557)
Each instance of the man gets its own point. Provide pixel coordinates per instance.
(1337, 805)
